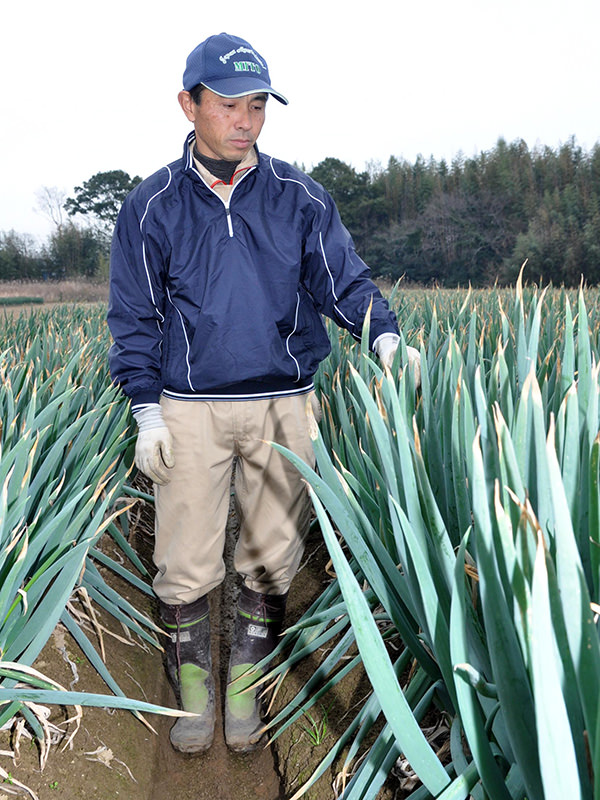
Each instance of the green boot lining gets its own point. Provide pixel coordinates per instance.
(194, 691)
(242, 704)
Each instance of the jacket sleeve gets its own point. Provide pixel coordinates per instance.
(136, 304)
(338, 280)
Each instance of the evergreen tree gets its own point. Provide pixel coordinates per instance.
(101, 197)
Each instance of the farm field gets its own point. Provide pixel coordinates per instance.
(52, 292)
(446, 640)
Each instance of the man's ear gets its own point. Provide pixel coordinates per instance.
(187, 104)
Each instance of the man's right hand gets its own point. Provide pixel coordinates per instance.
(154, 446)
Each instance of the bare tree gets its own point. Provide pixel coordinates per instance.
(50, 201)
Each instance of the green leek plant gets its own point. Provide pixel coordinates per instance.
(462, 522)
(64, 439)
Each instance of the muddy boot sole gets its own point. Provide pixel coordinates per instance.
(244, 727)
(244, 736)
(196, 734)
(246, 744)
(191, 736)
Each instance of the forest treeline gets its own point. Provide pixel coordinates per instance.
(474, 220)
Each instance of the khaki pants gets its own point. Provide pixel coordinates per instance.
(271, 499)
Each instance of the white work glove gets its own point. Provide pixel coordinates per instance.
(154, 446)
(316, 407)
(386, 346)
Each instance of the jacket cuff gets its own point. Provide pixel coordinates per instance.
(377, 333)
(143, 398)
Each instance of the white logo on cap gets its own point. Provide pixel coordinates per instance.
(226, 56)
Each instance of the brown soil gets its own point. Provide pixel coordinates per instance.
(115, 756)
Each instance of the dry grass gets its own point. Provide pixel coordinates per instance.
(70, 291)
(82, 291)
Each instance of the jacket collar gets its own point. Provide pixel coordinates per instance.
(189, 164)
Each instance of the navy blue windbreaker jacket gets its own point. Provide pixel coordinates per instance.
(212, 300)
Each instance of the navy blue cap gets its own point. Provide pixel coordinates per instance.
(228, 66)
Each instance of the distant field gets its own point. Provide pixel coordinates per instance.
(72, 291)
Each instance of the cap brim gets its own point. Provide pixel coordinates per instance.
(240, 87)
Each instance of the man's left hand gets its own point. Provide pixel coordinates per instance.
(386, 346)
(414, 364)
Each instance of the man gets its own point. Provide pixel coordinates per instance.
(222, 264)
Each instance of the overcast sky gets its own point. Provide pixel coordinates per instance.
(89, 87)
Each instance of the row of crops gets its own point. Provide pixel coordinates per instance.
(64, 436)
(463, 525)
(462, 520)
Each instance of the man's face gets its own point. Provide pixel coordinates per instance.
(226, 127)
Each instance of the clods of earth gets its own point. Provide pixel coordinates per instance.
(115, 755)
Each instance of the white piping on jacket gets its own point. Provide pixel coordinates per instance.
(287, 341)
(152, 298)
(187, 341)
(233, 397)
(162, 319)
(331, 278)
(339, 311)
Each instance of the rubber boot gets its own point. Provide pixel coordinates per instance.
(258, 623)
(190, 672)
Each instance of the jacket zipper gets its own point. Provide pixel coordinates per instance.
(227, 202)
(228, 214)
